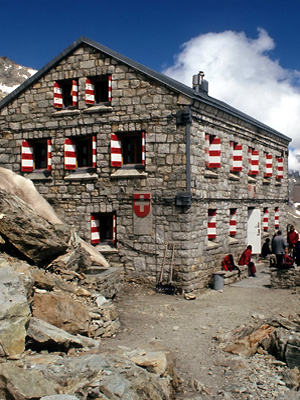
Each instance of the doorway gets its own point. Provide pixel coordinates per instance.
(253, 231)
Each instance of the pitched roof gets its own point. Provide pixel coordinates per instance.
(163, 79)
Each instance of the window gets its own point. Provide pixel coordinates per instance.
(276, 218)
(103, 228)
(279, 167)
(232, 222)
(127, 149)
(265, 223)
(236, 159)
(212, 151)
(65, 94)
(98, 90)
(211, 224)
(80, 153)
(36, 155)
(268, 165)
(253, 161)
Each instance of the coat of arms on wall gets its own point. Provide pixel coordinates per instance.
(142, 214)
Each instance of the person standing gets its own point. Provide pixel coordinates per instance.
(245, 259)
(279, 245)
(292, 239)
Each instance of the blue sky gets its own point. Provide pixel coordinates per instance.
(249, 50)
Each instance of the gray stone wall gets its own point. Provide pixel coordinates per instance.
(138, 103)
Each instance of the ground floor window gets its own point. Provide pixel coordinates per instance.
(103, 228)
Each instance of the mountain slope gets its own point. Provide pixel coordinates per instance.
(12, 75)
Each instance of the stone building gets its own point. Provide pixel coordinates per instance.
(136, 160)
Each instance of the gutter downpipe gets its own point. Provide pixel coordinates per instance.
(188, 152)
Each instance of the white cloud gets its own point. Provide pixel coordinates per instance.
(242, 73)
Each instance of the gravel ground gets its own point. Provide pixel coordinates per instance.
(186, 328)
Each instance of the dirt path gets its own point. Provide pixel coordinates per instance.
(186, 327)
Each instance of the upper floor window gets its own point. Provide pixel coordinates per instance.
(80, 152)
(127, 149)
(236, 159)
(253, 161)
(98, 90)
(36, 155)
(212, 151)
(268, 165)
(65, 94)
(279, 167)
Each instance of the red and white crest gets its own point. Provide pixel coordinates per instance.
(141, 204)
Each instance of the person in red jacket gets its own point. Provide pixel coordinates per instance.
(292, 239)
(246, 260)
(229, 265)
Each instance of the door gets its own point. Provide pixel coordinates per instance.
(253, 233)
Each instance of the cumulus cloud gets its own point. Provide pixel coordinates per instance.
(242, 73)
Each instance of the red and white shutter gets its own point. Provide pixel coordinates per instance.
(212, 224)
(109, 88)
(143, 148)
(114, 229)
(232, 222)
(266, 219)
(27, 156)
(74, 93)
(49, 155)
(57, 95)
(253, 162)
(94, 148)
(89, 92)
(70, 154)
(95, 229)
(276, 217)
(236, 157)
(116, 150)
(214, 152)
(268, 165)
(279, 168)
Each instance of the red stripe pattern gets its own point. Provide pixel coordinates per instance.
(116, 150)
(212, 151)
(236, 157)
(276, 218)
(49, 155)
(253, 161)
(232, 222)
(70, 154)
(268, 165)
(143, 148)
(212, 224)
(26, 156)
(57, 96)
(95, 229)
(94, 144)
(279, 168)
(74, 93)
(109, 88)
(89, 92)
(114, 229)
(266, 219)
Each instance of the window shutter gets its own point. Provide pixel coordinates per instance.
(266, 219)
(276, 217)
(114, 229)
(74, 93)
(57, 96)
(116, 150)
(253, 162)
(236, 157)
(109, 88)
(49, 155)
(143, 148)
(95, 229)
(232, 223)
(70, 154)
(279, 168)
(94, 160)
(212, 226)
(27, 156)
(89, 92)
(268, 165)
(213, 151)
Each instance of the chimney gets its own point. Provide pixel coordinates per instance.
(199, 83)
